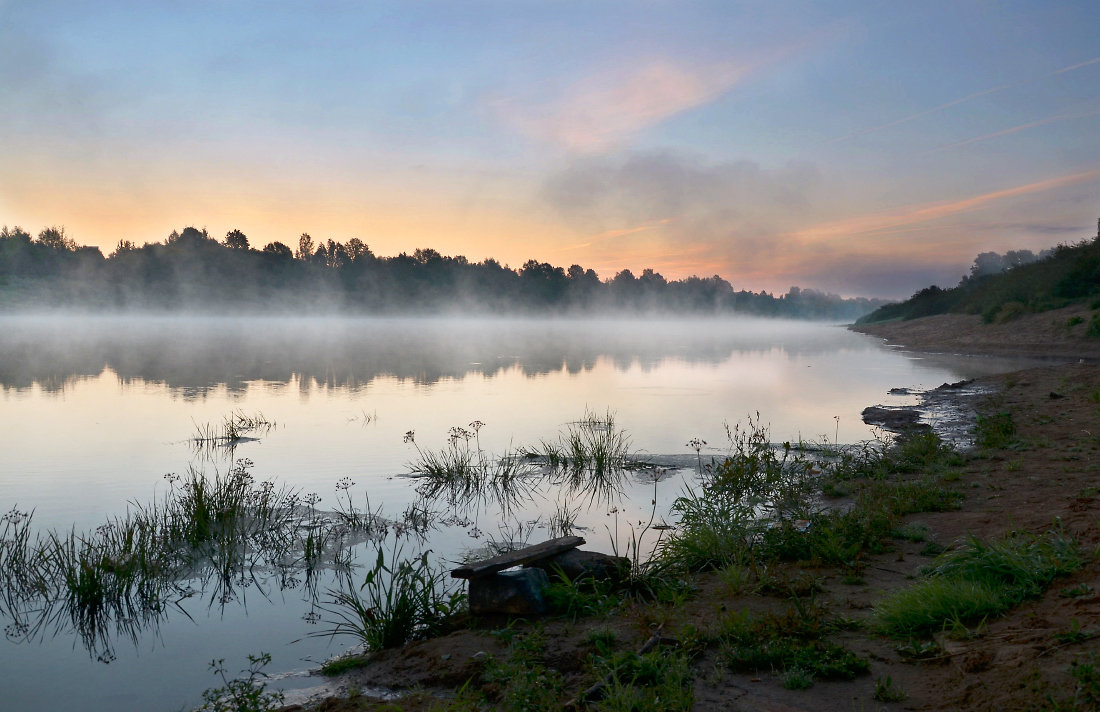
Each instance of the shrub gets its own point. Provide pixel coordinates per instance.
(995, 431)
(1093, 331)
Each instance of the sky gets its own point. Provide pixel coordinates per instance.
(864, 148)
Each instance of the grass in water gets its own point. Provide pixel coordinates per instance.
(220, 532)
(398, 601)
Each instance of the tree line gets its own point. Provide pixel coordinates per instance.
(192, 270)
(1002, 287)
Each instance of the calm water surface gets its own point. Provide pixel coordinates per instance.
(95, 411)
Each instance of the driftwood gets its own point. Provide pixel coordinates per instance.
(509, 559)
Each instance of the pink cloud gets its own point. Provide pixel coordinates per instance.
(608, 107)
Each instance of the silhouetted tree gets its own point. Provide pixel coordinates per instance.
(55, 239)
(305, 247)
(278, 249)
(123, 246)
(358, 250)
(236, 240)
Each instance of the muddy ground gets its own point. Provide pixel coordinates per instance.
(1017, 662)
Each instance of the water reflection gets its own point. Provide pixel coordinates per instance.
(222, 538)
(217, 539)
(192, 355)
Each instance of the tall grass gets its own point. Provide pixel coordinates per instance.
(398, 600)
(979, 579)
(467, 478)
(222, 531)
(588, 461)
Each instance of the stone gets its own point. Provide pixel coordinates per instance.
(518, 593)
(896, 419)
(579, 564)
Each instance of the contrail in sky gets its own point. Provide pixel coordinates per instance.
(975, 95)
(1014, 129)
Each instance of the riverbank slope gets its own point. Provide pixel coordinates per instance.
(1059, 333)
(1041, 476)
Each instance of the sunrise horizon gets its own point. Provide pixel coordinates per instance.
(862, 151)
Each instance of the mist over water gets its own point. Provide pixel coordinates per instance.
(95, 411)
(192, 352)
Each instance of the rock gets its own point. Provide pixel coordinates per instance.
(899, 391)
(578, 564)
(513, 592)
(896, 419)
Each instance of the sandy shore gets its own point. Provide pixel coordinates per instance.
(1047, 478)
(1060, 334)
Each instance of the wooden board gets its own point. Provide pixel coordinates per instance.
(517, 558)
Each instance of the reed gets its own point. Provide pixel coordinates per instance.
(399, 599)
(222, 531)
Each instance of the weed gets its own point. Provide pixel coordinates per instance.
(737, 579)
(784, 643)
(562, 522)
(911, 532)
(757, 491)
(885, 691)
(601, 639)
(580, 598)
(995, 432)
(1079, 591)
(658, 679)
(246, 694)
(397, 601)
(1086, 692)
(932, 548)
(1093, 330)
(522, 681)
(1075, 634)
(916, 649)
(342, 664)
(797, 678)
(234, 428)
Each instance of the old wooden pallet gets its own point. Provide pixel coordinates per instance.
(518, 557)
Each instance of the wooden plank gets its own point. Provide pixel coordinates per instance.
(518, 557)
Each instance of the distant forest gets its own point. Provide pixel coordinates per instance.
(1003, 287)
(194, 271)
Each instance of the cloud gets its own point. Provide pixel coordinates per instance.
(962, 100)
(677, 212)
(761, 228)
(609, 106)
(878, 224)
(42, 93)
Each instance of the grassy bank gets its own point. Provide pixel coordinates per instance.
(886, 575)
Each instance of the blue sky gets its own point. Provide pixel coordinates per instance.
(859, 147)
